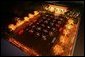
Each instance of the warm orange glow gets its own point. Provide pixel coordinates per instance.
(26, 19)
(69, 24)
(19, 22)
(24, 48)
(70, 21)
(57, 49)
(68, 27)
(51, 9)
(65, 31)
(30, 15)
(57, 10)
(11, 27)
(36, 12)
(64, 40)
